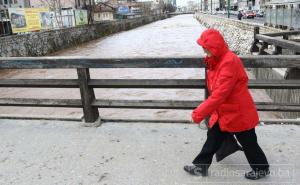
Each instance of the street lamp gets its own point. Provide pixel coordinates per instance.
(211, 7)
(201, 5)
(228, 8)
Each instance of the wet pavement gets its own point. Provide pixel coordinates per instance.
(49, 153)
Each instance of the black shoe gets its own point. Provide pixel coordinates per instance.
(254, 175)
(195, 170)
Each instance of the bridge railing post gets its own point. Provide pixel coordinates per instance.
(206, 94)
(254, 47)
(90, 113)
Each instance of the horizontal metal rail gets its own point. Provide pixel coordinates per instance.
(134, 104)
(187, 83)
(87, 85)
(263, 121)
(30, 102)
(40, 83)
(184, 105)
(285, 33)
(283, 43)
(185, 62)
(141, 83)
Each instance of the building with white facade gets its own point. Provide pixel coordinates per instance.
(213, 5)
(251, 4)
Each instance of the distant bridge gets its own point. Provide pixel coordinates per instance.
(179, 13)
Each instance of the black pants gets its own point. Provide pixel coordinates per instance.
(247, 139)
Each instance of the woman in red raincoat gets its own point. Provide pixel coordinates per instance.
(230, 107)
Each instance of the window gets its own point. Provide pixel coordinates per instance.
(16, 1)
(1, 2)
(5, 1)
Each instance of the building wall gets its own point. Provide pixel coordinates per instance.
(246, 4)
(242, 4)
(215, 4)
(103, 16)
(257, 4)
(15, 4)
(283, 1)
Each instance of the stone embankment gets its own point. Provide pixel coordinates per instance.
(239, 35)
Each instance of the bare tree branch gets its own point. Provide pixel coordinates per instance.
(55, 6)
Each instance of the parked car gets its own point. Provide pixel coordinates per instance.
(234, 12)
(248, 14)
(223, 12)
(260, 14)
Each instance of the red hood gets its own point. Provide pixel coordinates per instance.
(213, 41)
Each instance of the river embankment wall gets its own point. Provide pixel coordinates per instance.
(45, 42)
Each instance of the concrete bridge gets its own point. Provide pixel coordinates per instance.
(118, 151)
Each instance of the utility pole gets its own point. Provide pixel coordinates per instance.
(211, 7)
(91, 11)
(76, 4)
(60, 14)
(228, 8)
(201, 5)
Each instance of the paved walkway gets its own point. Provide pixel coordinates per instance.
(48, 152)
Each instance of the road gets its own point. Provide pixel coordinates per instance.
(258, 20)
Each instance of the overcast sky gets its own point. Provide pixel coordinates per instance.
(181, 2)
(184, 2)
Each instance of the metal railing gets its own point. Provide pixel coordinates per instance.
(279, 40)
(285, 15)
(90, 104)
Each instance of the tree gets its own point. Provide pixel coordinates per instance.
(89, 5)
(191, 5)
(55, 6)
(170, 7)
(161, 6)
(91, 8)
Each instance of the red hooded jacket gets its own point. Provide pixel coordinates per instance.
(230, 102)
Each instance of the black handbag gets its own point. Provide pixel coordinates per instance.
(228, 147)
